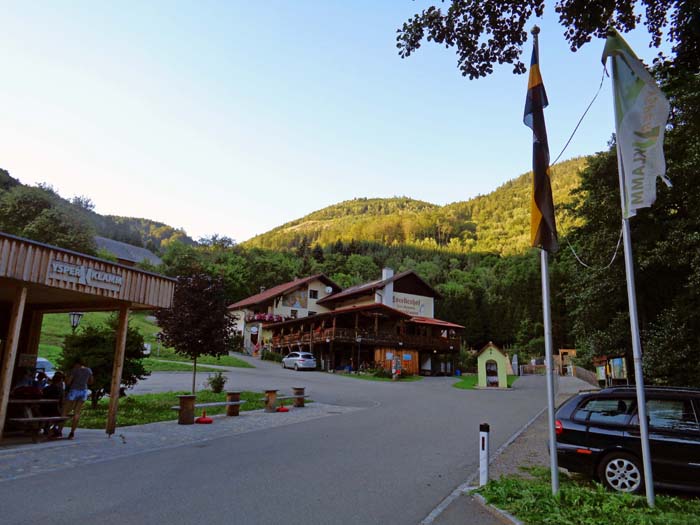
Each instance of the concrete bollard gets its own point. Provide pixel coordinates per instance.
(233, 410)
(298, 401)
(186, 413)
(483, 454)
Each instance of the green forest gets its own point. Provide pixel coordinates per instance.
(475, 253)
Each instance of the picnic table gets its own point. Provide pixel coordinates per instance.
(30, 417)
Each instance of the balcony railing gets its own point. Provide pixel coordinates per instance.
(370, 338)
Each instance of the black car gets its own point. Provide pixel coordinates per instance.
(598, 435)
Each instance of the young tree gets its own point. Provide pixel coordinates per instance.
(95, 345)
(198, 323)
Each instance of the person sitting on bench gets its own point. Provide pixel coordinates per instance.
(54, 390)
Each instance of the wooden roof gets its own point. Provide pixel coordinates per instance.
(404, 282)
(64, 280)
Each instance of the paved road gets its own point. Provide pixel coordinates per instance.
(391, 462)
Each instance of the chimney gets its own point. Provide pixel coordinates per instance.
(388, 295)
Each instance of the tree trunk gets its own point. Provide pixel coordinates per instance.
(194, 374)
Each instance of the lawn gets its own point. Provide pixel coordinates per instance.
(138, 409)
(583, 502)
(469, 381)
(56, 326)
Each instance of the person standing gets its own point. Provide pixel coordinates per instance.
(77, 392)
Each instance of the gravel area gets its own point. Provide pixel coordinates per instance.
(530, 448)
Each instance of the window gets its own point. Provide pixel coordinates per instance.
(293, 354)
(313, 294)
(670, 414)
(606, 411)
(311, 312)
(294, 314)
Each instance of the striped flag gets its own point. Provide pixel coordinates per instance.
(543, 229)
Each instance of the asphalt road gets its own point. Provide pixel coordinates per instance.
(392, 462)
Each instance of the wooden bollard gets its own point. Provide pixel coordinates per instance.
(298, 401)
(186, 414)
(270, 400)
(233, 410)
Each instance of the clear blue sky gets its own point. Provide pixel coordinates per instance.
(232, 117)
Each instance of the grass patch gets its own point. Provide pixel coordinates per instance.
(139, 409)
(153, 365)
(468, 382)
(371, 377)
(56, 326)
(583, 502)
(224, 360)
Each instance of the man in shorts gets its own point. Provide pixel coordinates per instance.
(77, 392)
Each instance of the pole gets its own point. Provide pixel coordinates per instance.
(636, 342)
(553, 466)
(483, 454)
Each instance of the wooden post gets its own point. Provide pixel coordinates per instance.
(233, 410)
(8, 363)
(270, 400)
(186, 414)
(117, 369)
(298, 401)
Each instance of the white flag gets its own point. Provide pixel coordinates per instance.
(641, 112)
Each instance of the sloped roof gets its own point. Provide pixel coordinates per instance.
(281, 289)
(127, 252)
(436, 322)
(372, 286)
(490, 345)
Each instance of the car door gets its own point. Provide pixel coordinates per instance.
(674, 439)
(605, 418)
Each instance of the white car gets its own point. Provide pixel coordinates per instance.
(299, 361)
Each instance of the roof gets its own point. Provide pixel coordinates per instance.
(490, 345)
(281, 289)
(127, 252)
(372, 286)
(435, 322)
(341, 311)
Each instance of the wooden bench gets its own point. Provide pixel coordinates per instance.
(35, 424)
(271, 398)
(187, 406)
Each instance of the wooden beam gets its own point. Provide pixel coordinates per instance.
(119, 352)
(8, 363)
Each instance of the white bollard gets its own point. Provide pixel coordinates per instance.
(483, 454)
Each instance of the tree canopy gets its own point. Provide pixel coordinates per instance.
(489, 32)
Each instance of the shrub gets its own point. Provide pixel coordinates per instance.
(268, 355)
(382, 372)
(216, 382)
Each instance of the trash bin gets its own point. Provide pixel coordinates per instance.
(458, 372)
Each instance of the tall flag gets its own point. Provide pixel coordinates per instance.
(543, 228)
(641, 112)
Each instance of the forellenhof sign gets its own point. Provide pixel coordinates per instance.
(84, 275)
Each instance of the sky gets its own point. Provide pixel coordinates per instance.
(232, 118)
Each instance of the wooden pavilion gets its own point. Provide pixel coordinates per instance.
(37, 278)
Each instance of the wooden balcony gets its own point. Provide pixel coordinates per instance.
(368, 338)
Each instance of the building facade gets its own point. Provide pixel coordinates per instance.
(368, 325)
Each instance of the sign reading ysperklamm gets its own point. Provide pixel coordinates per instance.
(85, 275)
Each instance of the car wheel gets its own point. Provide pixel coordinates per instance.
(296, 367)
(621, 472)
(283, 365)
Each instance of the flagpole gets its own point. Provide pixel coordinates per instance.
(636, 343)
(553, 465)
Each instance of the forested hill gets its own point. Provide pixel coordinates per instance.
(498, 222)
(40, 213)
